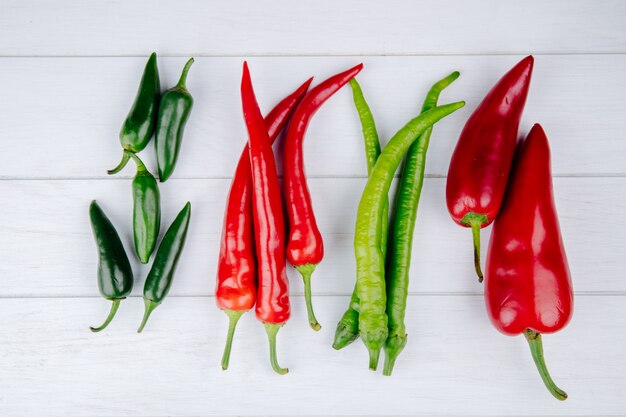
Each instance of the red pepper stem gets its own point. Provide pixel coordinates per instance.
(306, 271)
(150, 306)
(536, 348)
(272, 330)
(183, 76)
(114, 307)
(125, 157)
(476, 221)
(233, 318)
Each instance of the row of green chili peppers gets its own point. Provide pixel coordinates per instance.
(377, 307)
(163, 116)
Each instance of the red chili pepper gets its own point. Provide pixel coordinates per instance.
(482, 159)
(528, 287)
(272, 306)
(235, 292)
(305, 248)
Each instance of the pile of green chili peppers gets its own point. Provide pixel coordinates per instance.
(164, 116)
(378, 304)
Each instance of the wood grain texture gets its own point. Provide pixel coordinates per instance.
(455, 363)
(271, 27)
(67, 112)
(48, 248)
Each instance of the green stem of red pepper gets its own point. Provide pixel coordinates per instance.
(536, 349)
(476, 222)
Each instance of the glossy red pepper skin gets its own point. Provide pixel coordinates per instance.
(305, 247)
(235, 292)
(528, 287)
(236, 271)
(272, 307)
(481, 161)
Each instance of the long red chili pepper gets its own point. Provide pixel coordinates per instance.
(528, 287)
(272, 306)
(481, 161)
(305, 248)
(235, 292)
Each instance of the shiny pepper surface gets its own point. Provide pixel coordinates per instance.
(528, 287)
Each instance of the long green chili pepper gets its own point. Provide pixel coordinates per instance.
(369, 258)
(174, 111)
(161, 274)
(115, 276)
(401, 233)
(348, 327)
(146, 210)
(141, 119)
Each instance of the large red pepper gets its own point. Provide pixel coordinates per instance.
(272, 306)
(528, 287)
(305, 248)
(235, 292)
(482, 159)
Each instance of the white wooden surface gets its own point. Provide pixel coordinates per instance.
(69, 71)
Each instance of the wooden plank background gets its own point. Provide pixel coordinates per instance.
(70, 70)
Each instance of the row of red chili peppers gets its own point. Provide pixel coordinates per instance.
(251, 267)
(528, 285)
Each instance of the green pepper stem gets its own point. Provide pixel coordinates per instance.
(476, 221)
(394, 345)
(233, 318)
(536, 348)
(183, 76)
(390, 361)
(150, 306)
(114, 307)
(141, 167)
(125, 157)
(306, 271)
(374, 356)
(272, 330)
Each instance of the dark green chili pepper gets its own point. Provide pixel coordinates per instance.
(367, 237)
(161, 274)
(401, 233)
(174, 111)
(115, 276)
(141, 119)
(348, 327)
(146, 210)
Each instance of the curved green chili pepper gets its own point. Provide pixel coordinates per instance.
(161, 274)
(141, 119)
(402, 226)
(174, 111)
(369, 258)
(348, 327)
(146, 210)
(115, 276)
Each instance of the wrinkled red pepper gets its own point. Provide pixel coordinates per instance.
(235, 292)
(272, 306)
(482, 159)
(305, 248)
(528, 288)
